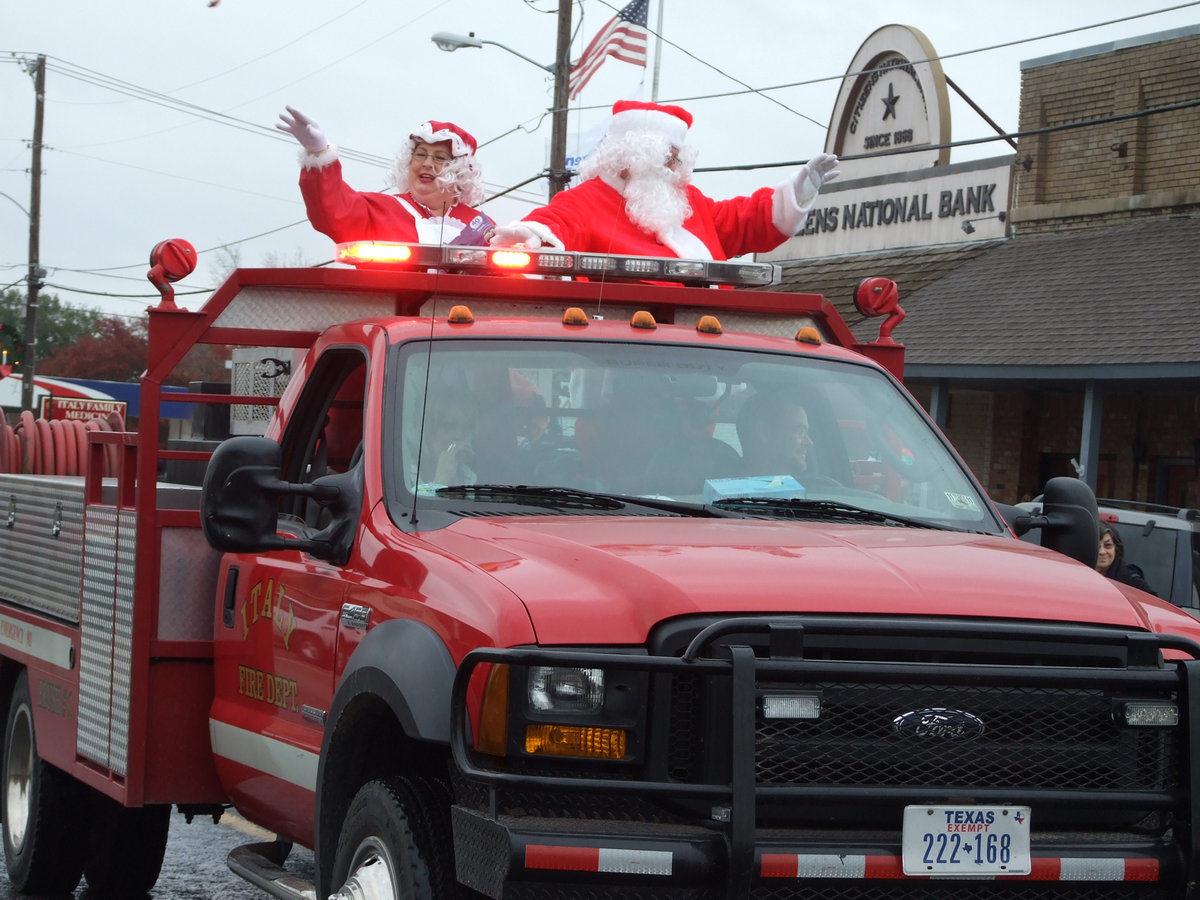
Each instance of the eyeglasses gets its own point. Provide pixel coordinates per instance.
(424, 156)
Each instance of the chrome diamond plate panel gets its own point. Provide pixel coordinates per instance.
(106, 637)
(187, 584)
(96, 635)
(495, 308)
(123, 641)
(300, 310)
(780, 326)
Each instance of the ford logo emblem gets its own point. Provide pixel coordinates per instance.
(938, 724)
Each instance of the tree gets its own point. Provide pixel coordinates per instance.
(115, 350)
(58, 325)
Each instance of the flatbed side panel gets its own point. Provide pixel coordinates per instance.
(180, 767)
(41, 543)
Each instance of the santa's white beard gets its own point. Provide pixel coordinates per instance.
(655, 196)
(657, 201)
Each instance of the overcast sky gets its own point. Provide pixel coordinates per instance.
(127, 165)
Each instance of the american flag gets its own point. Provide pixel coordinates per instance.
(623, 38)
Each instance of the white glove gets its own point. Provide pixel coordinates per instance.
(303, 129)
(821, 168)
(515, 234)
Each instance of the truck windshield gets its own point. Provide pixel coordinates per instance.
(666, 421)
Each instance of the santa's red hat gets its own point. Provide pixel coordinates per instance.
(672, 122)
(462, 143)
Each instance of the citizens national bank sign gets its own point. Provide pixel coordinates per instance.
(898, 188)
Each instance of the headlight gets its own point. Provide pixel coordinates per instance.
(555, 689)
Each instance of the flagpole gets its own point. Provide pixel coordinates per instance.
(657, 52)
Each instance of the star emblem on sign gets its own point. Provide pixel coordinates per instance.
(889, 102)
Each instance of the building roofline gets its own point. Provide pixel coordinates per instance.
(1111, 46)
(1186, 376)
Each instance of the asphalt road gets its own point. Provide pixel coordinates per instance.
(194, 867)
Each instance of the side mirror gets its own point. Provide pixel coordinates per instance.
(1070, 521)
(239, 502)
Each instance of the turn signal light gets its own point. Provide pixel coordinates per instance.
(493, 717)
(582, 741)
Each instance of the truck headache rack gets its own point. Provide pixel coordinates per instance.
(790, 733)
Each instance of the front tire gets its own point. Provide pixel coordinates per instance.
(396, 842)
(45, 824)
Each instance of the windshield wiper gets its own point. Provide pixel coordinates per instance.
(571, 498)
(801, 508)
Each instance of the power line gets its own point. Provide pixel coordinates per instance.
(845, 75)
(966, 142)
(178, 293)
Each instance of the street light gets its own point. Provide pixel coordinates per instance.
(450, 42)
(560, 69)
(16, 204)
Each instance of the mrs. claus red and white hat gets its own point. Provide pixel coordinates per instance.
(671, 122)
(462, 143)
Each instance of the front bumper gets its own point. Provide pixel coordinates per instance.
(761, 824)
(526, 858)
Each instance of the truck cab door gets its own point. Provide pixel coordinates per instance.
(275, 645)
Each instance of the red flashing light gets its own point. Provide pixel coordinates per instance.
(358, 252)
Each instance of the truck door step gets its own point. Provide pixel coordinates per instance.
(257, 864)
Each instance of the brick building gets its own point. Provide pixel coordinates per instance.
(1061, 336)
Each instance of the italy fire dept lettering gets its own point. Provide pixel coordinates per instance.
(268, 602)
(266, 687)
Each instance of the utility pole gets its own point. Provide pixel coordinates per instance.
(559, 177)
(34, 279)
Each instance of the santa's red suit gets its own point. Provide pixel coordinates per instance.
(344, 214)
(594, 217)
(591, 218)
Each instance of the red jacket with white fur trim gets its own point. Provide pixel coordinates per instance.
(591, 217)
(344, 214)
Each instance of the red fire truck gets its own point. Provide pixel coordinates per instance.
(568, 575)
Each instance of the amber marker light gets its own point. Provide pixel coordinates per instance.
(709, 325)
(808, 335)
(581, 741)
(511, 259)
(493, 716)
(460, 315)
(643, 319)
(574, 316)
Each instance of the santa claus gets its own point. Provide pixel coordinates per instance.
(637, 198)
(435, 173)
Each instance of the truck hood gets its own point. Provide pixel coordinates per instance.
(609, 580)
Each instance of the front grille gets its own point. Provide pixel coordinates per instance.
(1032, 738)
(1034, 711)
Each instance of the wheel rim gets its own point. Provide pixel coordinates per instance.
(372, 874)
(18, 777)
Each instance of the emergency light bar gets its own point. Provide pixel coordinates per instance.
(517, 260)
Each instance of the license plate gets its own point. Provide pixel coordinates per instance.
(966, 840)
